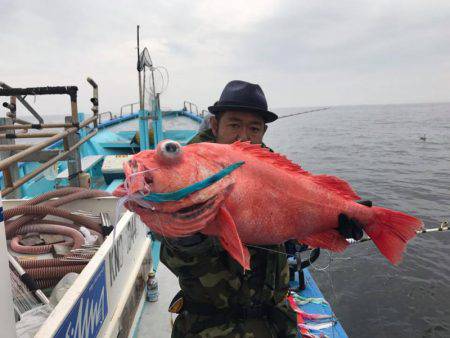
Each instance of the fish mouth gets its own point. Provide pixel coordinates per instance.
(194, 210)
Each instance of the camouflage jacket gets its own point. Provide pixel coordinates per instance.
(208, 275)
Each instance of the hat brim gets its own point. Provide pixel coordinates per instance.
(268, 116)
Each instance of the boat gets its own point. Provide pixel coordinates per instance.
(108, 296)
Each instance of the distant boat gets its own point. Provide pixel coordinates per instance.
(423, 138)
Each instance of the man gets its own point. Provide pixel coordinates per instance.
(217, 299)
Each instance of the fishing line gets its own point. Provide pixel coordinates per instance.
(303, 112)
(327, 269)
(316, 266)
(266, 249)
(444, 226)
(130, 197)
(167, 75)
(127, 179)
(333, 292)
(164, 85)
(309, 258)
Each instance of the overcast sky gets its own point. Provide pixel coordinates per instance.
(302, 53)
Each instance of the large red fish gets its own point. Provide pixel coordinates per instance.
(267, 200)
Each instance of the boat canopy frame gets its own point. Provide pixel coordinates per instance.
(70, 136)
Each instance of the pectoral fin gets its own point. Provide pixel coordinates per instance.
(224, 227)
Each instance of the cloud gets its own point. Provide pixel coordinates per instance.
(303, 53)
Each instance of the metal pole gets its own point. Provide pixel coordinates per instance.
(74, 159)
(33, 135)
(17, 157)
(143, 88)
(141, 101)
(74, 109)
(28, 280)
(25, 104)
(12, 110)
(47, 164)
(10, 147)
(153, 82)
(157, 122)
(10, 173)
(94, 99)
(37, 126)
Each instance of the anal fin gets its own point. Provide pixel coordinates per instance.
(330, 239)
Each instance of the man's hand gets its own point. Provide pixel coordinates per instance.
(350, 227)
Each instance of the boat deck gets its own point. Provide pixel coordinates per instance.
(155, 320)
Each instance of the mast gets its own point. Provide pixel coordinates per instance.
(141, 101)
(143, 114)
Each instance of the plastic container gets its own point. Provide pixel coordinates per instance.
(152, 287)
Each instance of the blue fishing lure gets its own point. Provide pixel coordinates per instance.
(184, 192)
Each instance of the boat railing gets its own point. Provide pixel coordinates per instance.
(130, 106)
(11, 154)
(187, 105)
(107, 114)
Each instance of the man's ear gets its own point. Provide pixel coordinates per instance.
(214, 125)
(265, 128)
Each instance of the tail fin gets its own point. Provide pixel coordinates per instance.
(391, 230)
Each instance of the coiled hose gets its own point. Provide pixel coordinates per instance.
(31, 214)
(77, 238)
(47, 283)
(43, 210)
(69, 225)
(30, 210)
(39, 263)
(51, 194)
(54, 272)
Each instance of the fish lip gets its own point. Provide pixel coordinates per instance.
(194, 210)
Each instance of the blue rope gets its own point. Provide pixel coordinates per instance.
(184, 192)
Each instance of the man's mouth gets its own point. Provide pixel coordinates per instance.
(194, 210)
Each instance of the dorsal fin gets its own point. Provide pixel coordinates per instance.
(332, 183)
(270, 157)
(337, 185)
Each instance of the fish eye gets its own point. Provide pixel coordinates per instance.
(172, 147)
(169, 150)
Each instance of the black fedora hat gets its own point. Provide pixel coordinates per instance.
(243, 96)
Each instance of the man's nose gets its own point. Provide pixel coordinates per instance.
(243, 135)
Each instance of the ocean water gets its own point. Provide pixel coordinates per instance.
(378, 150)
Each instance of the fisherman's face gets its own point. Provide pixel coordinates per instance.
(238, 126)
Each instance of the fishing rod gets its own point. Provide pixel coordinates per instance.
(444, 226)
(304, 112)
